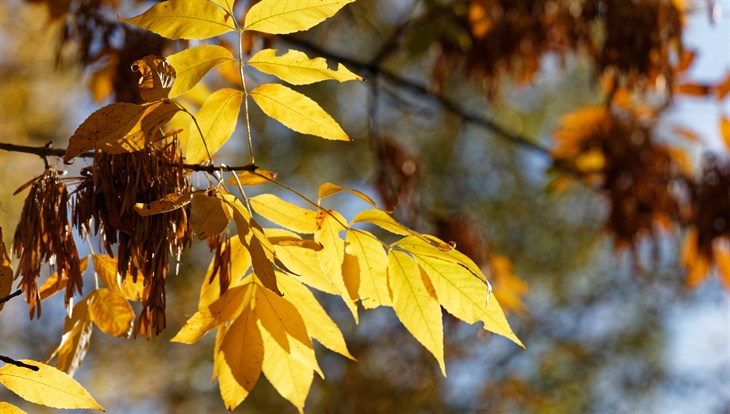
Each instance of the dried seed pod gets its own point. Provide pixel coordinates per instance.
(44, 235)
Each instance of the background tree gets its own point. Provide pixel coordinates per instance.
(455, 154)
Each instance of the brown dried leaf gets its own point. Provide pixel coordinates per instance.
(170, 202)
(209, 215)
(157, 77)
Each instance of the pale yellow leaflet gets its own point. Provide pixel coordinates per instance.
(328, 189)
(281, 17)
(185, 19)
(297, 68)
(283, 213)
(414, 306)
(332, 255)
(496, 321)
(111, 312)
(366, 261)
(217, 119)
(193, 63)
(297, 112)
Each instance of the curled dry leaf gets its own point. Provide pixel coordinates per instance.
(157, 77)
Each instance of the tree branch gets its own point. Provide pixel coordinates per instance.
(10, 296)
(11, 361)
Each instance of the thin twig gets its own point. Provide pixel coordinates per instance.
(10, 296)
(21, 364)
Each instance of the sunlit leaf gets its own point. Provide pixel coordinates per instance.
(296, 111)
(290, 377)
(725, 131)
(297, 68)
(217, 119)
(383, 220)
(111, 312)
(328, 189)
(239, 358)
(46, 386)
(240, 263)
(426, 245)
(120, 127)
(281, 17)
(496, 321)
(7, 408)
(209, 215)
(366, 261)
(193, 63)
(284, 213)
(75, 340)
(329, 225)
(417, 310)
(184, 19)
(252, 178)
(157, 77)
(253, 238)
(304, 262)
(106, 268)
(170, 202)
(319, 325)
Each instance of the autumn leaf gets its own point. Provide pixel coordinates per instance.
(426, 245)
(184, 19)
(297, 68)
(328, 189)
(7, 408)
(239, 357)
(297, 112)
(252, 178)
(106, 268)
(722, 88)
(6, 271)
(329, 225)
(725, 131)
(170, 202)
(496, 321)
(76, 337)
(282, 17)
(111, 312)
(366, 261)
(157, 77)
(46, 386)
(209, 215)
(239, 265)
(319, 325)
(304, 262)
(120, 127)
(383, 220)
(283, 213)
(193, 63)
(419, 312)
(217, 119)
(53, 285)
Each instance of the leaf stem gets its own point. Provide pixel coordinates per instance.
(251, 159)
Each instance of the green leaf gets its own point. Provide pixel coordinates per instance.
(217, 119)
(194, 63)
(297, 68)
(184, 19)
(281, 17)
(297, 111)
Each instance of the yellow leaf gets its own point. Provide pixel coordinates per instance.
(297, 111)
(106, 268)
(460, 292)
(7, 408)
(75, 340)
(328, 189)
(367, 262)
(101, 82)
(332, 256)
(304, 262)
(417, 310)
(120, 127)
(319, 325)
(281, 319)
(157, 77)
(224, 309)
(170, 202)
(281, 17)
(290, 377)
(193, 63)
(6, 270)
(111, 312)
(209, 215)
(217, 119)
(283, 213)
(426, 245)
(297, 68)
(46, 386)
(239, 358)
(383, 220)
(184, 19)
(496, 321)
(253, 238)
(252, 178)
(53, 285)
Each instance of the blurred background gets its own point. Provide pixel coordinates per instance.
(455, 128)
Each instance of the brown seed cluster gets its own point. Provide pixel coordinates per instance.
(44, 234)
(104, 205)
(711, 207)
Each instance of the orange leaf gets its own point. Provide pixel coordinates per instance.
(725, 130)
(693, 89)
(722, 88)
